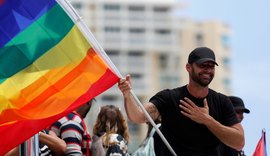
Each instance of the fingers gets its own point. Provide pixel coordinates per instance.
(205, 103)
(194, 112)
(189, 102)
(186, 106)
(124, 84)
(187, 114)
(123, 80)
(128, 78)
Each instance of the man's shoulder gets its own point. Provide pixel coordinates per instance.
(217, 95)
(71, 118)
(171, 90)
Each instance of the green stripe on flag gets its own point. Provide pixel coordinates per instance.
(34, 41)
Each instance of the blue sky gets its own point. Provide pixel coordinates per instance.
(250, 42)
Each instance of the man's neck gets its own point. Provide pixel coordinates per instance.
(197, 90)
(77, 113)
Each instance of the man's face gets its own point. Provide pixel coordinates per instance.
(240, 115)
(84, 109)
(203, 73)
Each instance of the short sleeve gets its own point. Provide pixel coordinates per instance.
(229, 114)
(160, 100)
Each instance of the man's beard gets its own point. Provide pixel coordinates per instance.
(200, 81)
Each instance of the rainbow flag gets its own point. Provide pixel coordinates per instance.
(48, 68)
(261, 146)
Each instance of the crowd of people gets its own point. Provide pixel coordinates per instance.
(195, 120)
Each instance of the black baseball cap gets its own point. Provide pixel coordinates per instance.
(201, 55)
(238, 104)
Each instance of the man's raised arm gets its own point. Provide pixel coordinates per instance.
(134, 112)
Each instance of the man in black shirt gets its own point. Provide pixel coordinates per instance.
(195, 118)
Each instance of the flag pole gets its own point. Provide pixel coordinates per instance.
(264, 139)
(261, 149)
(30, 147)
(91, 40)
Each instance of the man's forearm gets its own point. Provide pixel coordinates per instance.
(133, 111)
(231, 136)
(55, 144)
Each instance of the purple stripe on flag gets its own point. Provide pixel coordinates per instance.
(18, 15)
(1, 1)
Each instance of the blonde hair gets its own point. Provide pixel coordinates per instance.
(110, 121)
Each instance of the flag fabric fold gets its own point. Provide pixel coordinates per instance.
(261, 146)
(47, 68)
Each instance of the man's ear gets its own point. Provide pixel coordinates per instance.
(188, 67)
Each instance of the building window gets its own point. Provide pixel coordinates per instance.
(225, 39)
(227, 82)
(136, 8)
(136, 53)
(176, 62)
(136, 76)
(163, 61)
(109, 98)
(112, 29)
(77, 6)
(114, 56)
(161, 9)
(136, 59)
(112, 52)
(199, 39)
(226, 62)
(136, 30)
(163, 31)
(111, 7)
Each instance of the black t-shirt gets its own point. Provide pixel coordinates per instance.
(187, 137)
(230, 151)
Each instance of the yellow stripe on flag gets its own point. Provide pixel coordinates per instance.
(52, 66)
